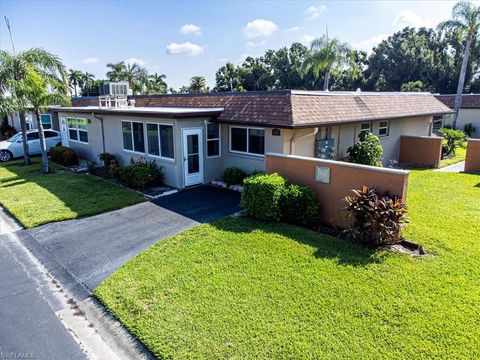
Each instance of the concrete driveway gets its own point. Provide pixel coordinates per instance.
(92, 248)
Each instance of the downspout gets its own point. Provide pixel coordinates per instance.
(295, 138)
(101, 126)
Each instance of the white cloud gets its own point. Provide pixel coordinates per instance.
(307, 39)
(190, 29)
(252, 44)
(259, 27)
(409, 18)
(184, 48)
(368, 44)
(132, 60)
(293, 29)
(315, 11)
(92, 60)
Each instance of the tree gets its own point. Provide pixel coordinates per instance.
(412, 86)
(465, 23)
(226, 78)
(198, 84)
(87, 81)
(41, 92)
(13, 71)
(156, 84)
(75, 79)
(326, 56)
(134, 74)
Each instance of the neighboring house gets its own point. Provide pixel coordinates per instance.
(49, 120)
(194, 137)
(469, 111)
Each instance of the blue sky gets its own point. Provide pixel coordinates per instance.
(186, 38)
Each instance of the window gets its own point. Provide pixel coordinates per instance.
(160, 140)
(247, 140)
(46, 120)
(383, 128)
(437, 124)
(366, 127)
(213, 140)
(77, 129)
(50, 134)
(32, 136)
(133, 138)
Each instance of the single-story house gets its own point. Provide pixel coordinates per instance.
(194, 137)
(469, 112)
(49, 120)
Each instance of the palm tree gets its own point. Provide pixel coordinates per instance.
(156, 84)
(326, 55)
(198, 84)
(465, 23)
(13, 71)
(87, 80)
(134, 74)
(41, 92)
(75, 78)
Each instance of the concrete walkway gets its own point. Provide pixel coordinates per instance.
(456, 168)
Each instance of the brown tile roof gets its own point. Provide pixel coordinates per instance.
(290, 108)
(469, 101)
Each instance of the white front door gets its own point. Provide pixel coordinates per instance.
(192, 156)
(64, 131)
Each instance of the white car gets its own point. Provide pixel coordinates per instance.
(13, 147)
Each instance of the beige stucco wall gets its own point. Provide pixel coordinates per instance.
(466, 116)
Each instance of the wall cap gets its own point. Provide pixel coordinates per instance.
(341, 163)
(423, 137)
(473, 140)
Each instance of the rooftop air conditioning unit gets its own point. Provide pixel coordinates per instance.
(115, 89)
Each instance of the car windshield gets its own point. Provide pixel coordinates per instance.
(15, 138)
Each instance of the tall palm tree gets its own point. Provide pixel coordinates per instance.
(134, 74)
(198, 84)
(116, 72)
(40, 92)
(326, 55)
(87, 81)
(157, 84)
(465, 23)
(13, 71)
(75, 78)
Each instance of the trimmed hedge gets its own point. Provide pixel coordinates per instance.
(64, 155)
(261, 196)
(299, 205)
(139, 175)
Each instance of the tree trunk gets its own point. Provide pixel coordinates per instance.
(75, 88)
(43, 146)
(461, 82)
(327, 79)
(23, 128)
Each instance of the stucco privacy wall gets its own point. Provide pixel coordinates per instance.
(472, 159)
(343, 177)
(420, 151)
(466, 116)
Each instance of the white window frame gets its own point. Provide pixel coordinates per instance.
(387, 127)
(246, 152)
(159, 156)
(77, 129)
(51, 123)
(133, 143)
(215, 139)
(369, 127)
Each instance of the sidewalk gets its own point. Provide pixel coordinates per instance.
(458, 167)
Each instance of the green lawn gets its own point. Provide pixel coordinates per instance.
(460, 154)
(35, 198)
(243, 289)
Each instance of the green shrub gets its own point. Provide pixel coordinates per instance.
(378, 219)
(139, 175)
(64, 156)
(367, 151)
(233, 176)
(109, 160)
(261, 196)
(451, 140)
(299, 205)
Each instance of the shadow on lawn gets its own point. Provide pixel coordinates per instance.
(344, 252)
